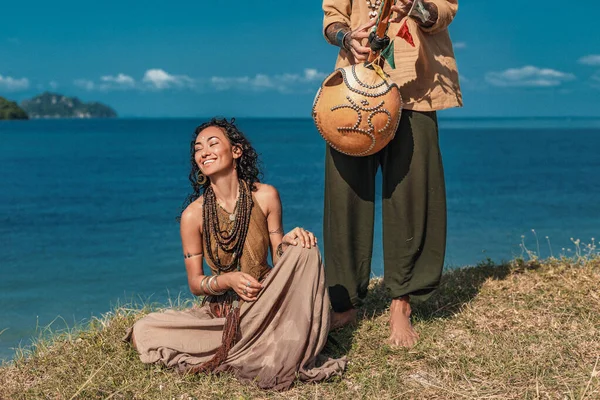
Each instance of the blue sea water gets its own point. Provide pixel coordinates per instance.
(88, 207)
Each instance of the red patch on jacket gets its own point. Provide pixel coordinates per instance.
(404, 33)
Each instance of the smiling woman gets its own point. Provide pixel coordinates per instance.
(266, 325)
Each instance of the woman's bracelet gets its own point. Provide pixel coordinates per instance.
(190, 255)
(279, 251)
(203, 284)
(212, 291)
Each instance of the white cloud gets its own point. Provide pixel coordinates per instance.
(258, 82)
(284, 83)
(460, 45)
(85, 84)
(592, 59)
(160, 79)
(153, 79)
(11, 84)
(596, 77)
(311, 74)
(528, 76)
(121, 80)
(53, 85)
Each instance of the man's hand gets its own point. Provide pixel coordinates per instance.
(424, 13)
(353, 41)
(401, 8)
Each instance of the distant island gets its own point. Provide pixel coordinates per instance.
(10, 110)
(54, 105)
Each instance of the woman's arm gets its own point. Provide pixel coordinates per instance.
(270, 202)
(191, 240)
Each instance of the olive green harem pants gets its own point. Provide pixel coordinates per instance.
(414, 215)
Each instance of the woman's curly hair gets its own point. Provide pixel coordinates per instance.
(247, 165)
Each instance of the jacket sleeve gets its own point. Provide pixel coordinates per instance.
(336, 11)
(446, 12)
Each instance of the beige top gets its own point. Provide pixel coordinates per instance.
(427, 73)
(256, 247)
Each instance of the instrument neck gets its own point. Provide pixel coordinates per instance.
(381, 28)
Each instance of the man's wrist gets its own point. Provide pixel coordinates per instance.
(346, 40)
(431, 14)
(341, 37)
(336, 34)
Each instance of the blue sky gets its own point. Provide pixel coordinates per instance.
(201, 58)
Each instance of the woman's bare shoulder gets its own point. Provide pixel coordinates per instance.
(266, 192)
(267, 197)
(193, 212)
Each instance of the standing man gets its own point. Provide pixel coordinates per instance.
(414, 198)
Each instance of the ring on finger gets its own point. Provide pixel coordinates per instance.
(248, 284)
(245, 291)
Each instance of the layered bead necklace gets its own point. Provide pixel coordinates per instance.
(228, 241)
(374, 7)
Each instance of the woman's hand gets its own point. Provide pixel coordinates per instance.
(353, 41)
(243, 284)
(300, 236)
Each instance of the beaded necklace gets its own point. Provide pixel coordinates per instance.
(374, 7)
(229, 241)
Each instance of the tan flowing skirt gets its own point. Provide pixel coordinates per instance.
(282, 332)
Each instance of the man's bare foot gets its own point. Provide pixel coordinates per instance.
(401, 331)
(337, 320)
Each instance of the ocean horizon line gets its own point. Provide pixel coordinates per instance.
(287, 118)
(474, 118)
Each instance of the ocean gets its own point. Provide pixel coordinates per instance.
(88, 207)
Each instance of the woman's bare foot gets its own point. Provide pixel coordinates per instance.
(402, 332)
(337, 320)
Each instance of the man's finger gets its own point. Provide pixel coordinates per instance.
(402, 7)
(358, 56)
(361, 49)
(367, 25)
(360, 35)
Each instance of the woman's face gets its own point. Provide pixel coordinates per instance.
(213, 152)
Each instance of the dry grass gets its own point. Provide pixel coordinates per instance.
(519, 331)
